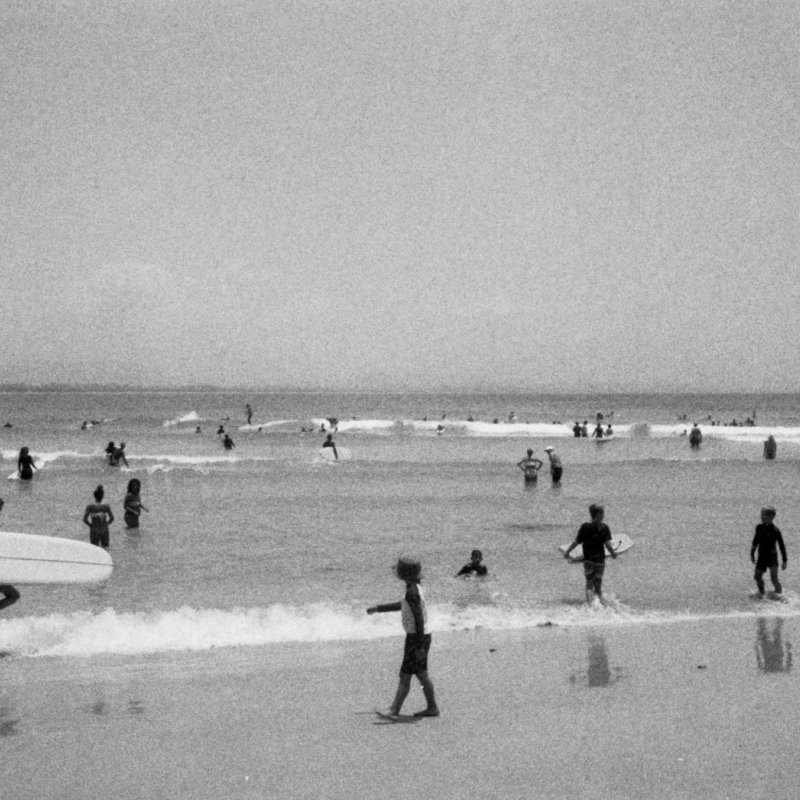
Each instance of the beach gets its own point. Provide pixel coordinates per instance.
(230, 655)
(679, 710)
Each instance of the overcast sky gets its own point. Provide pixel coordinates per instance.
(543, 194)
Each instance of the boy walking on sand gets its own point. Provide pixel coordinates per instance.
(415, 656)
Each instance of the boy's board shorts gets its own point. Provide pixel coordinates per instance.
(557, 472)
(593, 570)
(415, 656)
(767, 562)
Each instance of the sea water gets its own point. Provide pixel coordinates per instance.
(273, 542)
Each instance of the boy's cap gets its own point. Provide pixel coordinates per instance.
(549, 449)
(408, 568)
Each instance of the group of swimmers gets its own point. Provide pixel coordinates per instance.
(530, 466)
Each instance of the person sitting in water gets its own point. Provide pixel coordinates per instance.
(530, 466)
(475, 567)
(330, 443)
(118, 455)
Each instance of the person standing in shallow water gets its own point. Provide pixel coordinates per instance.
(595, 536)
(98, 516)
(133, 504)
(25, 465)
(556, 468)
(767, 541)
(770, 448)
(530, 466)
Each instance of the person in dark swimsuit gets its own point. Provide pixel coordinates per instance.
(595, 536)
(767, 541)
(133, 504)
(98, 516)
(25, 465)
(475, 567)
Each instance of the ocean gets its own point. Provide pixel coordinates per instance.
(271, 542)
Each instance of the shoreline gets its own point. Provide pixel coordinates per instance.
(692, 709)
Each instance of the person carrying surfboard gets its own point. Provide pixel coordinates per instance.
(418, 643)
(10, 594)
(595, 536)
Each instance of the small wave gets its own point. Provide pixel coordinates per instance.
(86, 634)
(192, 416)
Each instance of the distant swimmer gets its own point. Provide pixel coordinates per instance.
(26, 464)
(585, 429)
(595, 537)
(330, 443)
(767, 540)
(133, 504)
(110, 448)
(530, 466)
(197, 429)
(770, 448)
(475, 566)
(440, 429)
(220, 430)
(10, 594)
(609, 430)
(227, 442)
(98, 516)
(117, 456)
(249, 411)
(576, 430)
(597, 433)
(695, 436)
(556, 469)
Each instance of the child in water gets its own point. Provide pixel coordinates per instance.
(475, 567)
(418, 643)
(767, 540)
(98, 516)
(133, 504)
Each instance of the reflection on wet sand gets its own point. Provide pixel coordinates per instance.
(8, 726)
(599, 671)
(772, 655)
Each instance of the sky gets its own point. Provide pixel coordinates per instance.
(544, 195)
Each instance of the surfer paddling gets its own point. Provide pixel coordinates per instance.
(595, 536)
(415, 656)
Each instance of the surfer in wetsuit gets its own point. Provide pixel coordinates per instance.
(475, 567)
(25, 465)
(10, 594)
(330, 443)
(530, 466)
(767, 540)
(595, 536)
(98, 516)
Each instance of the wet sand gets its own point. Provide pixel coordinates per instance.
(674, 710)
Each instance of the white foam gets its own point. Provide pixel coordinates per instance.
(192, 416)
(110, 632)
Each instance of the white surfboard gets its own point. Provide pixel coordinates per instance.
(621, 543)
(27, 558)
